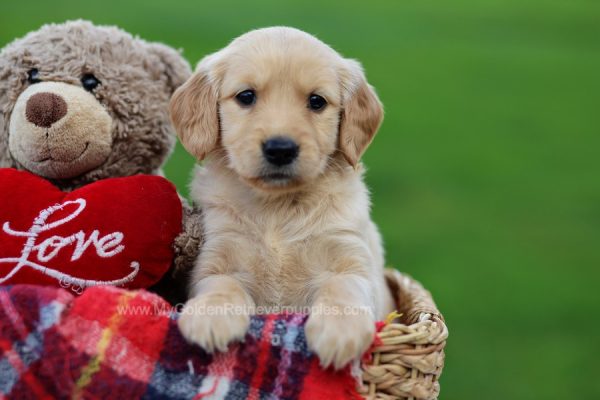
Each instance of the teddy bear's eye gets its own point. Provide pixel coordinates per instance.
(33, 76)
(89, 82)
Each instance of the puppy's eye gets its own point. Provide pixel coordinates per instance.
(33, 76)
(316, 102)
(246, 98)
(89, 82)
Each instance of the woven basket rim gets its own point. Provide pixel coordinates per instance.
(408, 359)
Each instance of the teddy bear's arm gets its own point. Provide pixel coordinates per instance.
(187, 244)
(174, 285)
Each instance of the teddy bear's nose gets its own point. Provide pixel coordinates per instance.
(44, 109)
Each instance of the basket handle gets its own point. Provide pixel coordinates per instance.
(412, 299)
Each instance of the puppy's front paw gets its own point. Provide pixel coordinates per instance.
(212, 322)
(339, 339)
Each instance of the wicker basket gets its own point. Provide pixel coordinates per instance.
(409, 361)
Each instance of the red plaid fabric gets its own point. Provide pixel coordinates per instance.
(114, 343)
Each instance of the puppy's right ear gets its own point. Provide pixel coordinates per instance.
(194, 112)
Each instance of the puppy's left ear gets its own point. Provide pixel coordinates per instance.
(361, 115)
(172, 65)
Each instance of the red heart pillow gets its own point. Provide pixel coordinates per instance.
(116, 231)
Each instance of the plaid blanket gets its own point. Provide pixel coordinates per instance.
(113, 343)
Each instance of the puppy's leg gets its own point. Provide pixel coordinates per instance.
(341, 326)
(218, 314)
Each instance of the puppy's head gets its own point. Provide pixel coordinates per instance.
(277, 103)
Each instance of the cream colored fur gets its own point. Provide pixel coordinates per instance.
(306, 241)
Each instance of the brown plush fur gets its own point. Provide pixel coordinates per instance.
(124, 121)
(137, 80)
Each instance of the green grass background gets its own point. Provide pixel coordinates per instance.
(485, 174)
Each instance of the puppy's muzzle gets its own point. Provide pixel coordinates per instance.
(280, 151)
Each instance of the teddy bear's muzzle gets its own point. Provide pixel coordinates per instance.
(59, 131)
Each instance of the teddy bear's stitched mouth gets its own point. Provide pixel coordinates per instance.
(49, 158)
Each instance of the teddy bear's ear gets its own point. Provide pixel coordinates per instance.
(176, 68)
(5, 80)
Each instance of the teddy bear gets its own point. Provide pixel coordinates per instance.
(80, 103)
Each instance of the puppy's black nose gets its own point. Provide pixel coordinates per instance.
(280, 151)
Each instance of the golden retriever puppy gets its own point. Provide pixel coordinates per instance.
(282, 120)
